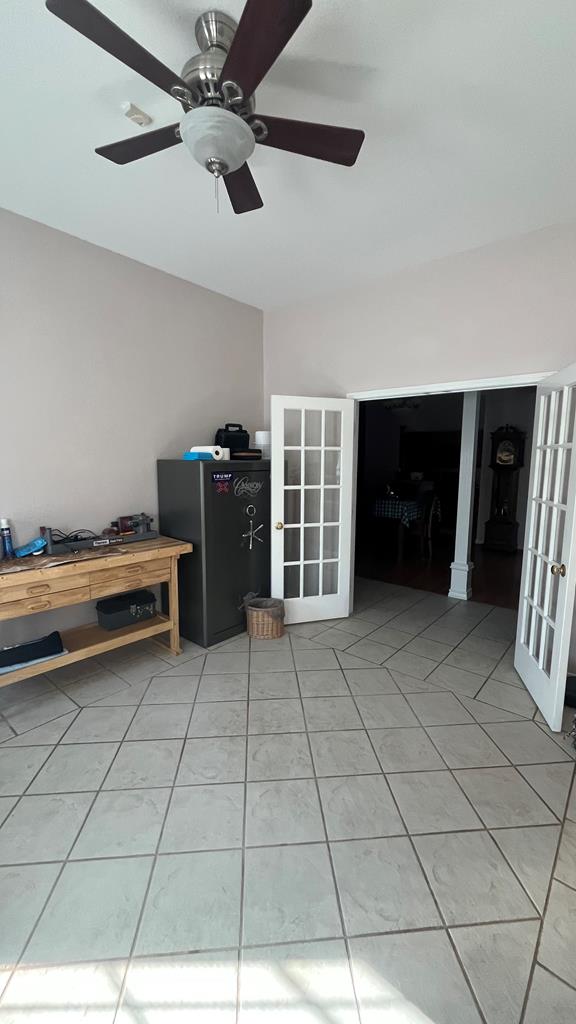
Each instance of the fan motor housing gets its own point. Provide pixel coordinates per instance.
(214, 34)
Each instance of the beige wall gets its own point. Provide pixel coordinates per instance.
(504, 309)
(107, 365)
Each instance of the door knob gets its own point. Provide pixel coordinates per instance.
(279, 526)
(558, 570)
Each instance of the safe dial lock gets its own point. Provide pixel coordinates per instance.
(250, 511)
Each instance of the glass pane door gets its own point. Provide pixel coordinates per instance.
(312, 455)
(547, 591)
(312, 502)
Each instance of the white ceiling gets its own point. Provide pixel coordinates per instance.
(468, 108)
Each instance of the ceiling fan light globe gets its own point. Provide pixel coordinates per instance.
(216, 135)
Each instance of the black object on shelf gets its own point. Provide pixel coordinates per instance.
(126, 609)
(234, 437)
(223, 508)
(43, 648)
(501, 530)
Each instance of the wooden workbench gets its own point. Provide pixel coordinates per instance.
(41, 583)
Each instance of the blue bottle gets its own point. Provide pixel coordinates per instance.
(6, 535)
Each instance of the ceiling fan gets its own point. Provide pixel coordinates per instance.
(216, 91)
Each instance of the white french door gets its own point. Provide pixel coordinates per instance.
(312, 493)
(549, 566)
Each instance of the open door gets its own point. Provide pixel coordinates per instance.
(549, 566)
(312, 493)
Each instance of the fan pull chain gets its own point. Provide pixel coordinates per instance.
(216, 192)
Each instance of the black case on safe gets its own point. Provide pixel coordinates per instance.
(223, 508)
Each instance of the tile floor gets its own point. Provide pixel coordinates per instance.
(365, 822)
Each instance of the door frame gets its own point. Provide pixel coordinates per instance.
(518, 380)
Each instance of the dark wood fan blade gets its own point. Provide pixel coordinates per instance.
(127, 150)
(321, 141)
(242, 190)
(263, 31)
(87, 20)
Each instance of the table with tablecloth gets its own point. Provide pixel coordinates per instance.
(407, 511)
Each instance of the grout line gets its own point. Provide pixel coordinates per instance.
(544, 912)
(330, 860)
(243, 859)
(283, 845)
(153, 865)
(557, 977)
(424, 874)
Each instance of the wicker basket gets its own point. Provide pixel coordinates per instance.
(265, 618)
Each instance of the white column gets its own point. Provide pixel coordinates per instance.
(461, 568)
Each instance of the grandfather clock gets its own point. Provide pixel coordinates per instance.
(501, 531)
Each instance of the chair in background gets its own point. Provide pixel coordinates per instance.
(422, 527)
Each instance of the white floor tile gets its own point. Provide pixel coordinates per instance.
(549, 1000)
(43, 828)
(531, 853)
(432, 802)
(382, 887)
(283, 812)
(326, 713)
(98, 725)
(369, 681)
(284, 756)
(23, 892)
(196, 988)
(64, 994)
(19, 766)
(559, 933)
(78, 766)
(405, 750)
(551, 782)
(222, 718)
(208, 886)
(502, 797)
(266, 685)
(143, 764)
(386, 711)
(359, 807)
(171, 690)
(204, 818)
(304, 983)
(160, 722)
(328, 682)
(275, 716)
(498, 961)
(525, 743)
(466, 746)
(92, 913)
(212, 759)
(343, 753)
(470, 878)
(289, 895)
(413, 978)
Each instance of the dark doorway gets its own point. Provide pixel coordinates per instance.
(407, 492)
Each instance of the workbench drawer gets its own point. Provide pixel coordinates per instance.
(45, 602)
(136, 569)
(145, 579)
(41, 589)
